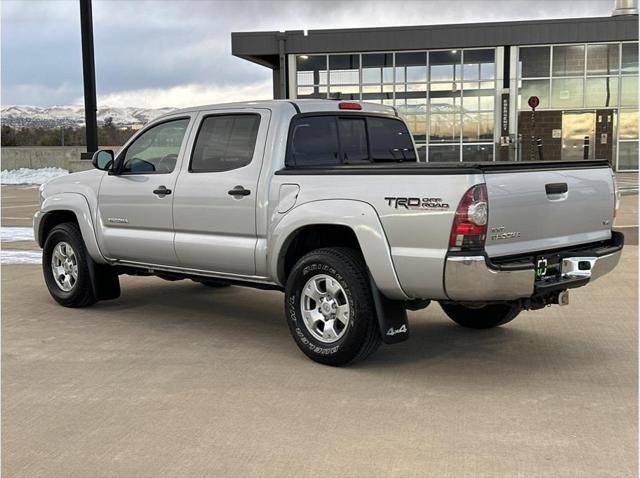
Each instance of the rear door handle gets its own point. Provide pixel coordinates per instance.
(162, 191)
(239, 191)
(556, 188)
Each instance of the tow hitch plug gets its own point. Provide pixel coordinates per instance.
(563, 297)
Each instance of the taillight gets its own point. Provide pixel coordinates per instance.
(616, 195)
(470, 223)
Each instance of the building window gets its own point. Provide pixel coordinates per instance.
(568, 60)
(629, 58)
(589, 77)
(534, 62)
(602, 59)
(567, 93)
(601, 92)
(628, 156)
(311, 76)
(446, 97)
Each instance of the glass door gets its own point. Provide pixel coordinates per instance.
(578, 135)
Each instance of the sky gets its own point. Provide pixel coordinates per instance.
(178, 53)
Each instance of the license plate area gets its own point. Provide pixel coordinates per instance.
(548, 266)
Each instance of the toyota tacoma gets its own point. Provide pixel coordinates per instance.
(328, 202)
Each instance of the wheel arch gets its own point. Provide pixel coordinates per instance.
(331, 223)
(67, 207)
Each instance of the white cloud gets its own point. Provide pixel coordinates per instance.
(187, 95)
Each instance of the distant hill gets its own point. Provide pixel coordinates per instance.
(73, 116)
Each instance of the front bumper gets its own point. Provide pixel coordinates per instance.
(478, 278)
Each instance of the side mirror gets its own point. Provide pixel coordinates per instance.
(103, 159)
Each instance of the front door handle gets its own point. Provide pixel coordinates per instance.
(162, 191)
(239, 191)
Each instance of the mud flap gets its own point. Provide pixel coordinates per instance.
(104, 281)
(392, 316)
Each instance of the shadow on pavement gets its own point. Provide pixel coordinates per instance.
(245, 317)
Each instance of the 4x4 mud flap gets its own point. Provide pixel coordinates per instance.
(392, 316)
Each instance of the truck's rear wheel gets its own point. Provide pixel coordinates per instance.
(482, 317)
(329, 307)
(65, 268)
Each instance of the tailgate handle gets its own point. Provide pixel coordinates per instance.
(556, 188)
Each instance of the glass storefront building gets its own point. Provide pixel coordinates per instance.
(468, 101)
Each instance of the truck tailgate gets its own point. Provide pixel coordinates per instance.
(534, 209)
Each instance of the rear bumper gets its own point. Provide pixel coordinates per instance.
(477, 278)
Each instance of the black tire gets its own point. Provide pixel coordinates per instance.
(485, 317)
(361, 336)
(81, 294)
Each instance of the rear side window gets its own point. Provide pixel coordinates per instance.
(390, 140)
(314, 141)
(225, 142)
(328, 140)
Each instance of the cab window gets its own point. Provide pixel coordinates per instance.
(225, 142)
(156, 150)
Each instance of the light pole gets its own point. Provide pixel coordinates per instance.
(89, 77)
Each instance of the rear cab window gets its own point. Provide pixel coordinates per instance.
(336, 139)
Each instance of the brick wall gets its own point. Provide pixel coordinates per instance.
(546, 122)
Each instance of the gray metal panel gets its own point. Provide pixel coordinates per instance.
(262, 47)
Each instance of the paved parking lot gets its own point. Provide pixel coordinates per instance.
(175, 379)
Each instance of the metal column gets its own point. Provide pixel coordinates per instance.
(89, 76)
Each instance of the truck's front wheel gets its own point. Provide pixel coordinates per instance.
(65, 267)
(329, 307)
(481, 317)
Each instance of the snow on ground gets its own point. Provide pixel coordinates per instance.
(30, 176)
(20, 257)
(11, 234)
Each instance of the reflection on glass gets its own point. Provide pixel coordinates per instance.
(445, 104)
(442, 65)
(444, 127)
(444, 153)
(312, 92)
(539, 88)
(477, 127)
(487, 103)
(629, 58)
(344, 69)
(601, 92)
(568, 60)
(602, 59)
(411, 67)
(345, 89)
(422, 152)
(371, 88)
(478, 65)
(446, 86)
(417, 125)
(477, 152)
(628, 155)
(534, 62)
(377, 68)
(629, 92)
(567, 93)
(311, 69)
(628, 124)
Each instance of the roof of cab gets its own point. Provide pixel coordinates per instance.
(304, 106)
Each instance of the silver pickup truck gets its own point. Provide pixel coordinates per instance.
(327, 201)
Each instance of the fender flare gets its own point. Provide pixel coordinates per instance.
(79, 206)
(360, 217)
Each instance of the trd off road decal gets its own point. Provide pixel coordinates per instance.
(416, 203)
